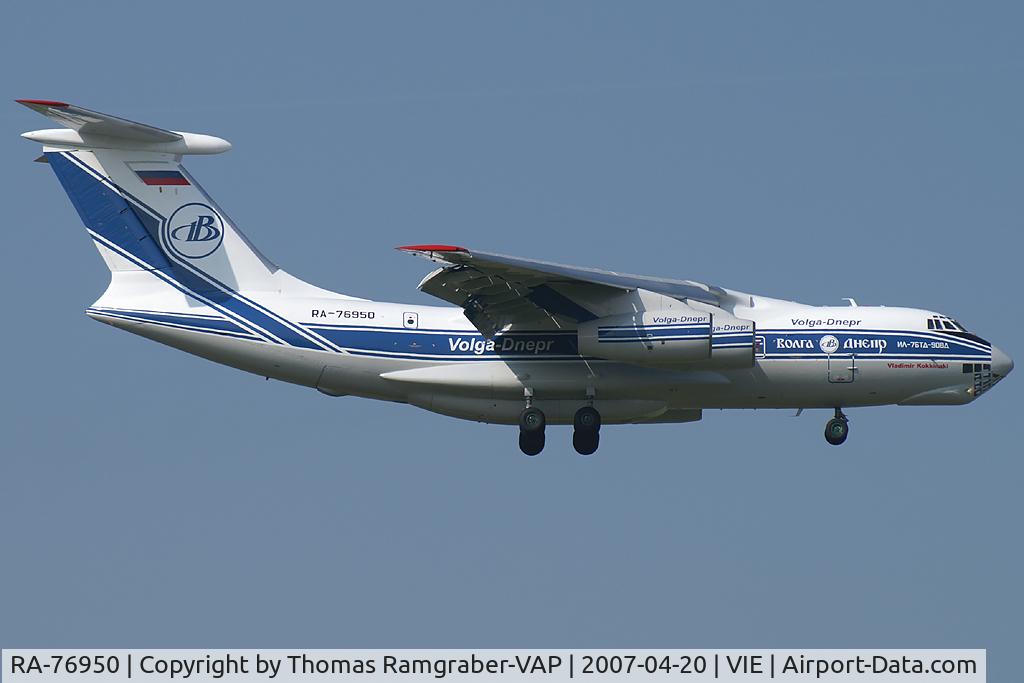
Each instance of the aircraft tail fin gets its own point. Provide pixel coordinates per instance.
(143, 209)
(170, 248)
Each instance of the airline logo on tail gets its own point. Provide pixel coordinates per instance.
(194, 231)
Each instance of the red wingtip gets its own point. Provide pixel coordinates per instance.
(432, 247)
(44, 103)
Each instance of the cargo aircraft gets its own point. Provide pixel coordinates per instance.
(527, 343)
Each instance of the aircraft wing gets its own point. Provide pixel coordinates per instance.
(497, 290)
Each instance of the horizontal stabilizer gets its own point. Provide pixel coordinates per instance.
(88, 122)
(95, 130)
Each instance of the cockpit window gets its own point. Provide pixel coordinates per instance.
(941, 322)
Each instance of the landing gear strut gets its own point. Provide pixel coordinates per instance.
(586, 427)
(837, 429)
(531, 430)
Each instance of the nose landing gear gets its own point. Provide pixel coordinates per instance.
(837, 429)
(586, 427)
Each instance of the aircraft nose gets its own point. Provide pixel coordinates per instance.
(1001, 364)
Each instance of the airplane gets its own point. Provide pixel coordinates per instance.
(527, 343)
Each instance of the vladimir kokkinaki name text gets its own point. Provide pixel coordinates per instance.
(368, 665)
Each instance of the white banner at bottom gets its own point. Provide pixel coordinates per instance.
(321, 666)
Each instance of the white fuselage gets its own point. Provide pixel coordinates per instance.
(432, 357)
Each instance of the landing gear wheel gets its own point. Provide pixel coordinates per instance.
(531, 444)
(531, 421)
(531, 430)
(586, 426)
(585, 443)
(586, 418)
(836, 430)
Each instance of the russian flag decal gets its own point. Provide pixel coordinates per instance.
(162, 177)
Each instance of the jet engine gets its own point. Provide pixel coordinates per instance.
(677, 337)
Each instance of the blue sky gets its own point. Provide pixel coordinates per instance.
(811, 151)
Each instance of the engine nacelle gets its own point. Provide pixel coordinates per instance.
(680, 337)
(649, 337)
(732, 342)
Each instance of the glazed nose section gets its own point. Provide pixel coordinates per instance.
(1001, 364)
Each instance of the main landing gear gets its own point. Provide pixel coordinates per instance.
(586, 427)
(531, 430)
(837, 429)
(586, 430)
